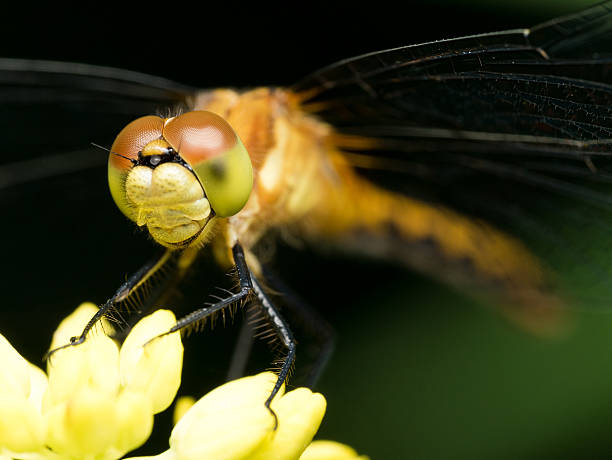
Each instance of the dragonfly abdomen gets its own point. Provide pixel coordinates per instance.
(471, 254)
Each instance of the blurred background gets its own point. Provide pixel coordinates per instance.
(420, 371)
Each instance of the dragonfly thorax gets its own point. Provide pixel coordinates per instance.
(170, 201)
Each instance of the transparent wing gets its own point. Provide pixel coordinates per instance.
(548, 81)
(514, 126)
(53, 111)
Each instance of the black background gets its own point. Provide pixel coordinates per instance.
(241, 45)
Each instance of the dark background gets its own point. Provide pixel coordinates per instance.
(420, 371)
(256, 44)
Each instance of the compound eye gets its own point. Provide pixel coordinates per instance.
(216, 154)
(131, 140)
(199, 136)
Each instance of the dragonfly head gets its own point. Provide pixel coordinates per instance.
(174, 175)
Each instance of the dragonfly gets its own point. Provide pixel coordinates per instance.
(510, 127)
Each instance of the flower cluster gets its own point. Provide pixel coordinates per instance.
(97, 402)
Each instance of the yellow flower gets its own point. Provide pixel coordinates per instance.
(330, 450)
(232, 423)
(98, 402)
(22, 426)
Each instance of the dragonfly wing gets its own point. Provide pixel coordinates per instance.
(548, 84)
(512, 127)
(52, 98)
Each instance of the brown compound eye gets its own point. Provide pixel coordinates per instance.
(210, 145)
(199, 136)
(131, 140)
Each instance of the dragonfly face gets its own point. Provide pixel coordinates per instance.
(505, 123)
(174, 175)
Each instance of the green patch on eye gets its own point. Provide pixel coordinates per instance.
(227, 180)
(116, 183)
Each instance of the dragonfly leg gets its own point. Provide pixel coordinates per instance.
(200, 314)
(301, 313)
(248, 284)
(310, 322)
(283, 332)
(123, 293)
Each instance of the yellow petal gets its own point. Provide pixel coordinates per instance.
(300, 413)
(231, 422)
(182, 405)
(84, 426)
(22, 427)
(94, 363)
(14, 372)
(38, 386)
(235, 437)
(330, 450)
(134, 421)
(233, 395)
(154, 369)
(44, 454)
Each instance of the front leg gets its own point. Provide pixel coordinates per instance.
(122, 294)
(202, 313)
(248, 284)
